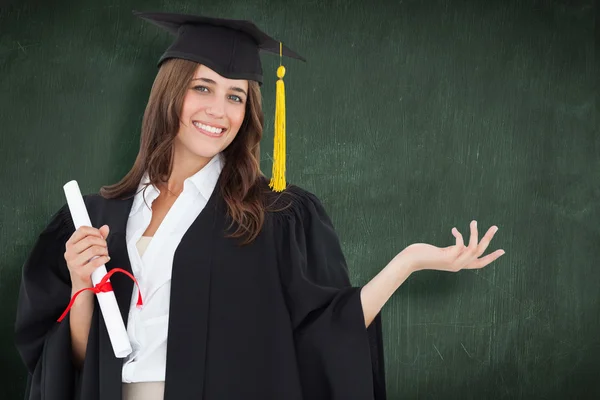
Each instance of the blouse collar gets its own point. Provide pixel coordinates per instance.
(202, 182)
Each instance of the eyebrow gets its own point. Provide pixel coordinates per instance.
(234, 88)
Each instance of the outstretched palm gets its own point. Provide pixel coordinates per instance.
(453, 258)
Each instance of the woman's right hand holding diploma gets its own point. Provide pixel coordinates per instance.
(86, 250)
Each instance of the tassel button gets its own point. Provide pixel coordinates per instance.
(281, 72)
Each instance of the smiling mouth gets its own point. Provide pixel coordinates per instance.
(209, 130)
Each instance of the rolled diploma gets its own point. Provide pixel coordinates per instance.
(108, 303)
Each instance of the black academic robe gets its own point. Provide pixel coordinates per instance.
(277, 319)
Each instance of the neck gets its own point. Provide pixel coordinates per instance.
(183, 168)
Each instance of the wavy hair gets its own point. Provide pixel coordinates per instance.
(240, 181)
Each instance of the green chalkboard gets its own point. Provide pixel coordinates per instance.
(408, 119)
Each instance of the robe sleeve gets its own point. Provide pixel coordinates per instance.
(45, 291)
(338, 358)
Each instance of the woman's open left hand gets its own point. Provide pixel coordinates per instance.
(420, 256)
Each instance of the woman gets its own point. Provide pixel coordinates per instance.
(246, 292)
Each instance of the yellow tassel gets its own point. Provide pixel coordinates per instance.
(277, 183)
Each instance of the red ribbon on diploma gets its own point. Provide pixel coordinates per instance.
(102, 287)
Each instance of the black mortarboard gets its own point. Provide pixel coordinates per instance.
(230, 47)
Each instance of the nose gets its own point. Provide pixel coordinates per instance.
(216, 108)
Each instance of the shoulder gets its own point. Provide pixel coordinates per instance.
(62, 219)
(302, 229)
(63, 215)
(294, 203)
(92, 199)
(95, 200)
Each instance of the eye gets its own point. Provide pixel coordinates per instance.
(200, 88)
(235, 98)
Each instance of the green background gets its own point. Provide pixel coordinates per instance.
(409, 118)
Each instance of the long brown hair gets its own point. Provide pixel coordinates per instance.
(240, 178)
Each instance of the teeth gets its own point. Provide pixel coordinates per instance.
(208, 128)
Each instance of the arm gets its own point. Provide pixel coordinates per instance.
(80, 322)
(379, 290)
(338, 359)
(86, 243)
(43, 344)
(420, 256)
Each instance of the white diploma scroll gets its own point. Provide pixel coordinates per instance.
(108, 303)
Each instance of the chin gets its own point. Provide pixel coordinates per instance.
(203, 153)
(202, 147)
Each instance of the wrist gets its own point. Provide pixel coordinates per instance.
(78, 284)
(404, 263)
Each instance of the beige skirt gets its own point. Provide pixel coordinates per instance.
(144, 391)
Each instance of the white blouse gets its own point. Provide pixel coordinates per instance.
(151, 262)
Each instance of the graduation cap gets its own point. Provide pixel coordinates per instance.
(231, 48)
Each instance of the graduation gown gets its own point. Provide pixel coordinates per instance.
(276, 319)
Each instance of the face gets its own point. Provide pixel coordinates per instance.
(213, 111)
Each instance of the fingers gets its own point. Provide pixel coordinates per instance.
(82, 232)
(86, 250)
(482, 262)
(459, 239)
(474, 234)
(475, 249)
(90, 253)
(104, 231)
(485, 241)
(96, 262)
(467, 253)
(88, 242)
